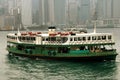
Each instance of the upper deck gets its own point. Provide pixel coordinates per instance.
(61, 38)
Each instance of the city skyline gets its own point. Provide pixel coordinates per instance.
(56, 12)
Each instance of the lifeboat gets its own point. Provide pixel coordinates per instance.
(31, 33)
(64, 34)
(52, 34)
(24, 33)
(38, 32)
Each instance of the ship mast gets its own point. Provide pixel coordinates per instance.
(95, 16)
(95, 26)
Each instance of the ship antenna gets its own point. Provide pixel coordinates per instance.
(95, 21)
(95, 26)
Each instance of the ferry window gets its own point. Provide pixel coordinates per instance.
(64, 39)
(58, 39)
(79, 38)
(109, 37)
(46, 39)
(84, 38)
(53, 38)
(43, 39)
(75, 38)
(23, 38)
(28, 38)
(33, 38)
(19, 38)
(71, 39)
(20, 47)
(103, 37)
(82, 47)
(99, 37)
(89, 38)
(93, 37)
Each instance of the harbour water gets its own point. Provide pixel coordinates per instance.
(21, 68)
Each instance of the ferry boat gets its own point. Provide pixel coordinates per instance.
(64, 45)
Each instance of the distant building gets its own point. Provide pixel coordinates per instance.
(46, 12)
(108, 9)
(2, 21)
(59, 6)
(36, 12)
(51, 12)
(84, 10)
(104, 9)
(116, 9)
(73, 12)
(26, 12)
(14, 14)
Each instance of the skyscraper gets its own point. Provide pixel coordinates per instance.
(52, 12)
(71, 12)
(85, 13)
(27, 12)
(116, 9)
(45, 12)
(35, 12)
(59, 12)
(105, 9)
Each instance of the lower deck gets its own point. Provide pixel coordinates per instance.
(63, 51)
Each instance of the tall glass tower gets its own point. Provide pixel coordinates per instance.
(59, 12)
(27, 12)
(84, 11)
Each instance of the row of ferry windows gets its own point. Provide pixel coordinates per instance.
(63, 39)
(27, 38)
(91, 38)
(11, 37)
(21, 38)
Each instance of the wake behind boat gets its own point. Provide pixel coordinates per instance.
(64, 45)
